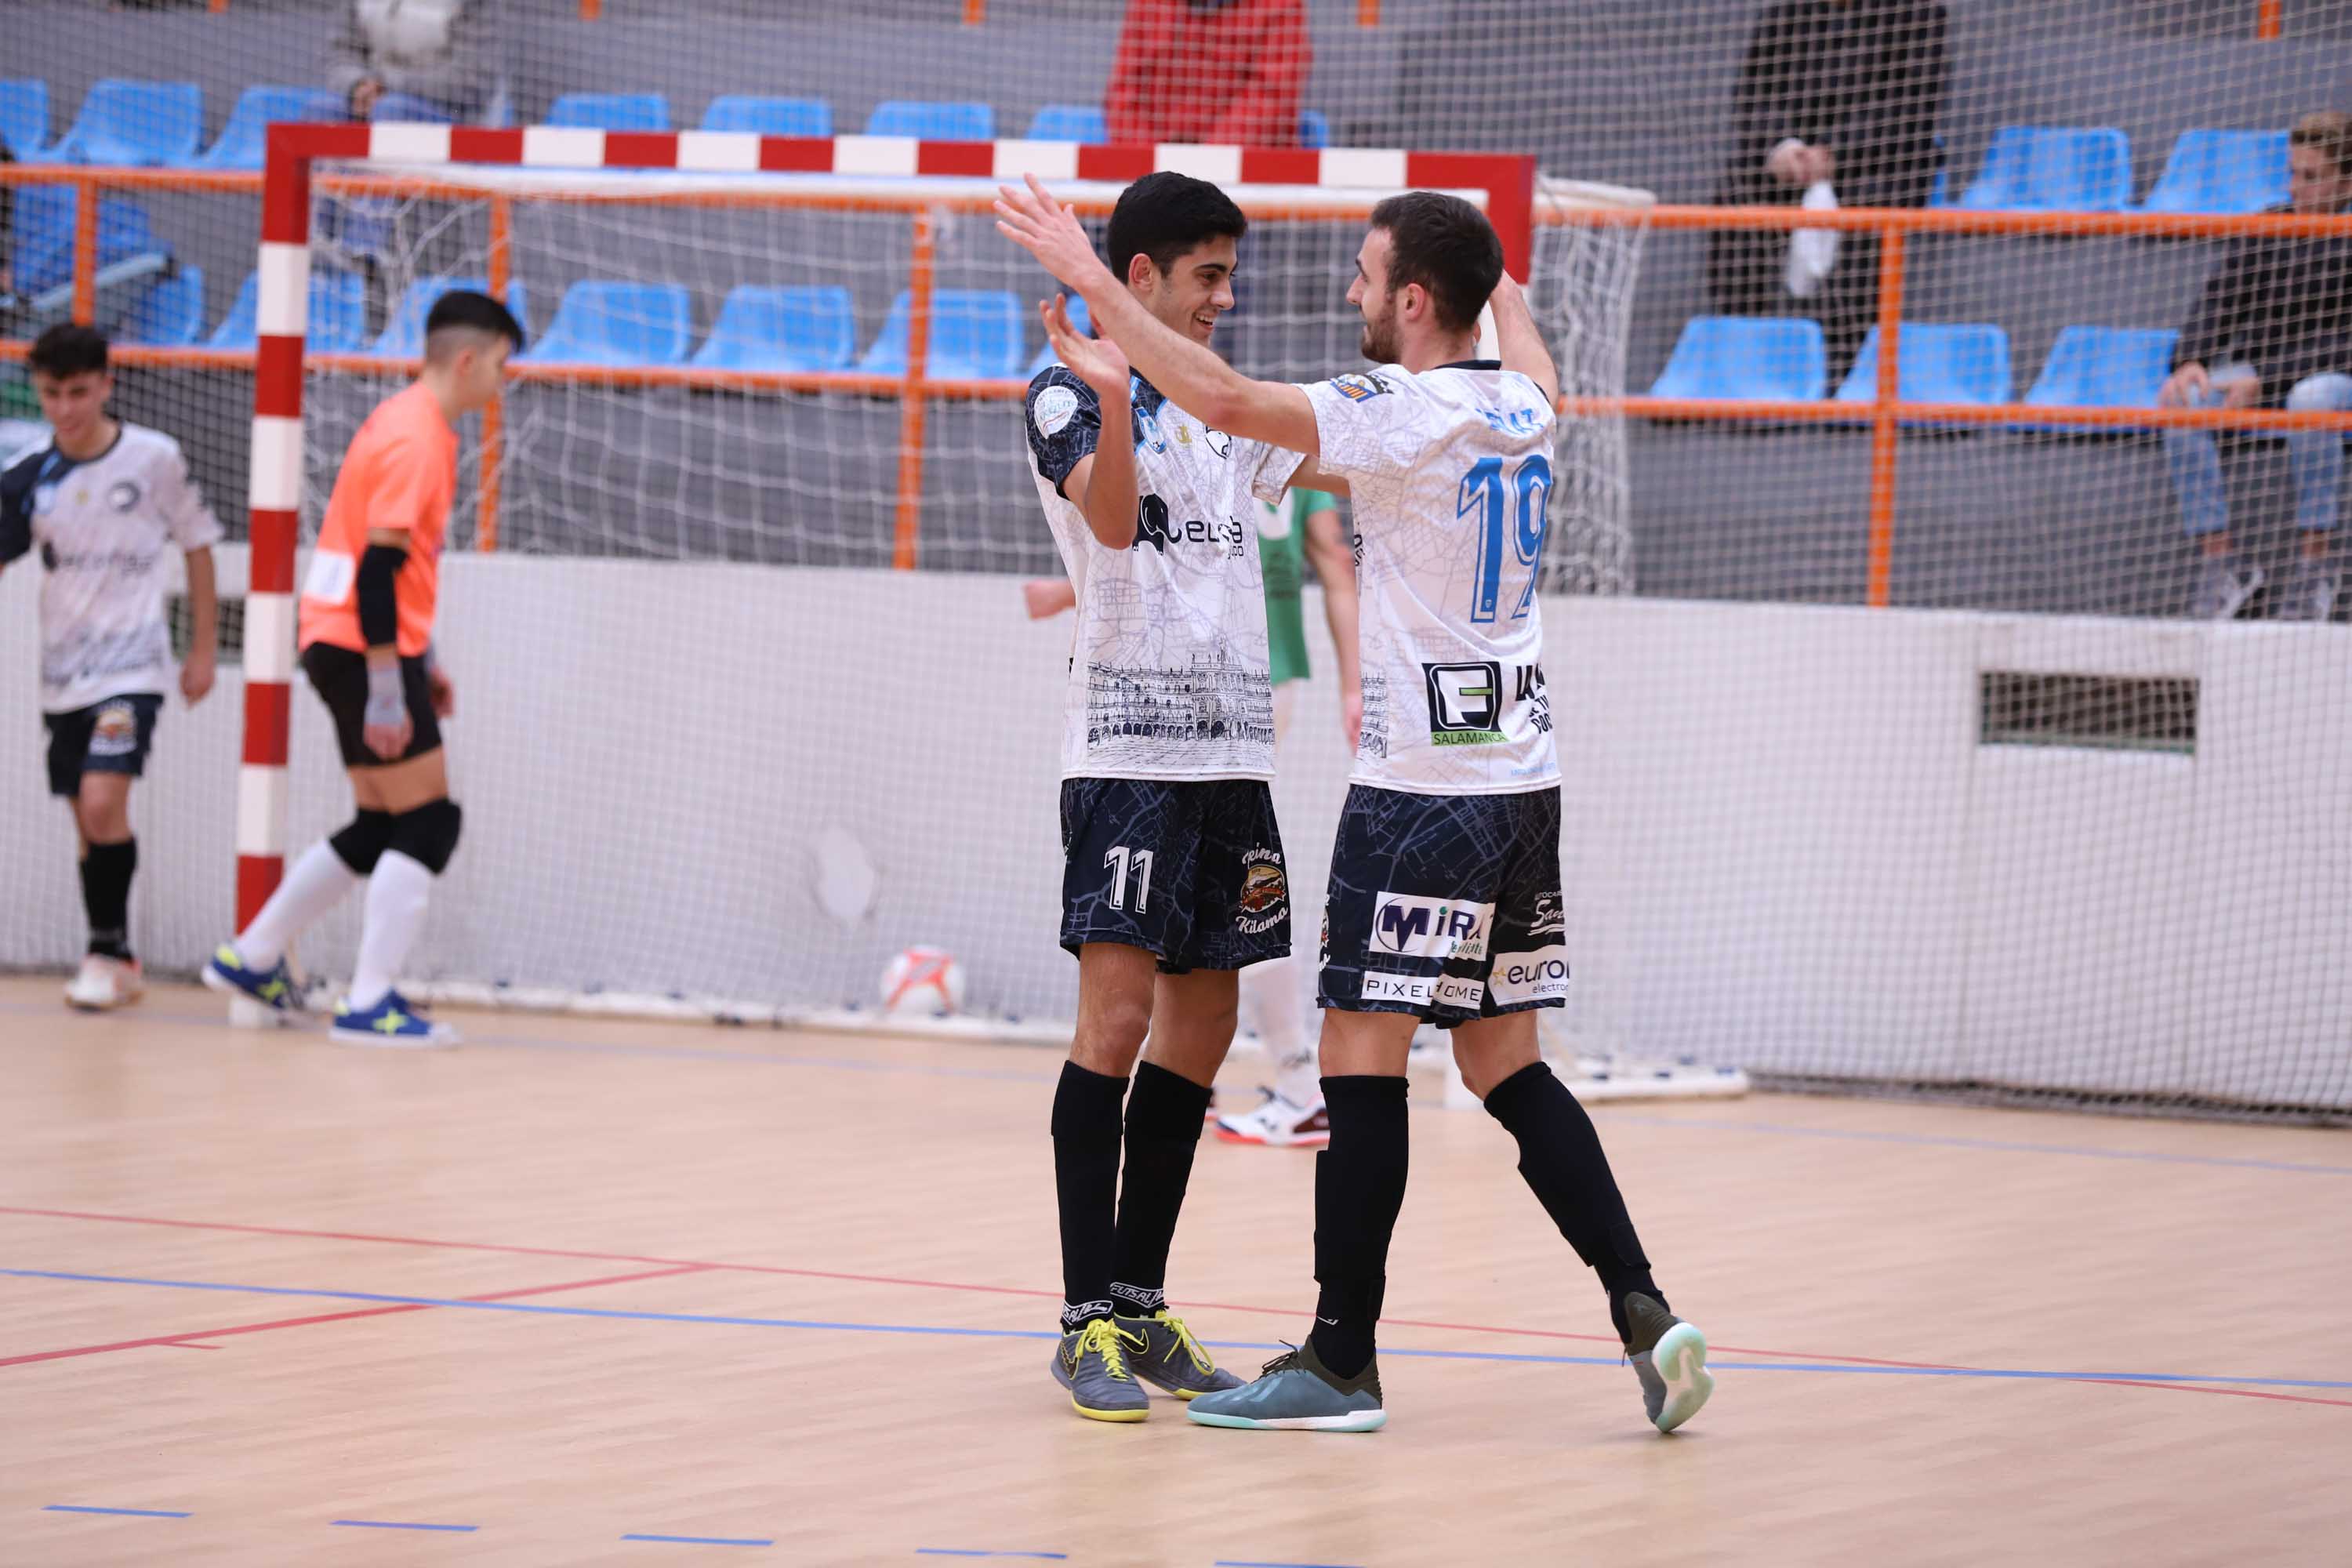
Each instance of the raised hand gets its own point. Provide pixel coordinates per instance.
(1098, 362)
(1049, 231)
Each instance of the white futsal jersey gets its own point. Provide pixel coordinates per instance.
(1168, 667)
(1450, 471)
(101, 528)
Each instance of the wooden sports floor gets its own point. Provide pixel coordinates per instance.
(592, 1292)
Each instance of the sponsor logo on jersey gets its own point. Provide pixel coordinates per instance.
(1266, 891)
(1415, 989)
(123, 497)
(1356, 387)
(1415, 927)
(115, 732)
(1548, 920)
(1465, 703)
(1453, 991)
(1217, 441)
(1527, 687)
(1154, 527)
(1522, 977)
(1053, 409)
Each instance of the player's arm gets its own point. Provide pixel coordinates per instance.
(1103, 483)
(386, 726)
(17, 511)
(1196, 379)
(1521, 340)
(1335, 568)
(1045, 598)
(204, 627)
(1083, 434)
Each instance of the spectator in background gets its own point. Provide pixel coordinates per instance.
(420, 59)
(1220, 71)
(2273, 330)
(1839, 98)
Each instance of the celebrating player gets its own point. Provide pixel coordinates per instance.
(366, 613)
(1444, 902)
(1173, 876)
(101, 502)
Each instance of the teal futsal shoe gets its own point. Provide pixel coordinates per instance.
(1670, 1358)
(1297, 1393)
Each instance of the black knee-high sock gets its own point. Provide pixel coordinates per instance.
(1086, 1182)
(1561, 1157)
(1358, 1190)
(1164, 1112)
(106, 894)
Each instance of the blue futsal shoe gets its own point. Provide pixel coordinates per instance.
(391, 1022)
(273, 987)
(1297, 1393)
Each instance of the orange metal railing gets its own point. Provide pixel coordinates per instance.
(915, 387)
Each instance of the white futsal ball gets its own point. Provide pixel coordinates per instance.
(923, 981)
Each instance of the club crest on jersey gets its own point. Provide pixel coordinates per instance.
(1053, 409)
(115, 732)
(124, 496)
(1356, 387)
(1265, 899)
(1465, 703)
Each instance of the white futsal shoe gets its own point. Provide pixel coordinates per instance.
(1279, 1123)
(102, 983)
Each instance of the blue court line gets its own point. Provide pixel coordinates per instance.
(131, 1513)
(1992, 1145)
(397, 1524)
(707, 1540)
(936, 1331)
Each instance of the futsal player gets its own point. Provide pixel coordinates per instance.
(1173, 876)
(102, 503)
(366, 618)
(1444, 902)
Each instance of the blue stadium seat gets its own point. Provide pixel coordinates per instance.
(403, 335)
(605, 323)
(243, 139)
(1078, 318)
(976, 336)
(931, 121)
(2222, 172)
(2041, 168)
(769, 116)
(171, 314)
(44, 258)
(1778, 358)
(338, 321)
(611, 111)
(2102, 367)
(797, 329)
(1070, 122)
(1314, 130)
(133, 124)
(24, 119)
(1940, 362)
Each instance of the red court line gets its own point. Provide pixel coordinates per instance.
(181, 1340)
(2203, 1388)
(677, 1265)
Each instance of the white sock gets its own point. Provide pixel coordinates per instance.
(313, 885)
(397, 896)
(1273, 991)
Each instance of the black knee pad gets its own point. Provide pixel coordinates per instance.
(428, 835)
(364, 841)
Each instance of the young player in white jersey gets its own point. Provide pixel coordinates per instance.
(1173, 876)
(1444, 902)
(102, 504)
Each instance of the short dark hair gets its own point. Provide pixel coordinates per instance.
(2329, 131)
(69, 349)
(1165, 214)
(462, 308)
(1447, 245)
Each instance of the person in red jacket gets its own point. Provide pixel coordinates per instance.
(1227, 72)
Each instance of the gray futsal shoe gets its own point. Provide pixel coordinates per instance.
(1297, 1393)
(1092, 1364)
(1172, 1358)
(1670, 1358)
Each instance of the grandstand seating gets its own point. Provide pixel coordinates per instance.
(171, 314)
(2040, 168)
(24, 119)
(611, 111)
(976, 336)
(243, 139)
(43, 260)
(1939, 363)
(1069, 123)
(611, 323)
(2222, 172)
(1775, 358)
(936, 122)
(338, 322)
(780, 329)
(769, 116)
(135, 124)
(403, 336)
(2102, 367)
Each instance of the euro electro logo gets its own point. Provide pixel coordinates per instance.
(1519, 978)
(1465, 703)
(1413, 927)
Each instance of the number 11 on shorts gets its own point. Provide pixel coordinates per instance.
(1117, 863)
